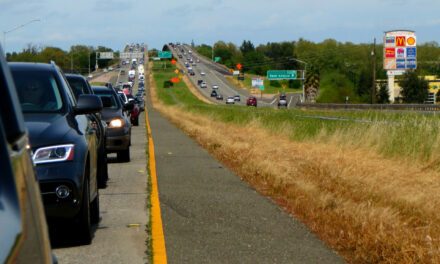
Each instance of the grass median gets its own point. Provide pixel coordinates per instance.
(365, 182)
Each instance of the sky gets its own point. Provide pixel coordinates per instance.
(114, 23)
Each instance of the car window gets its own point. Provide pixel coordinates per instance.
(38, 91)
(77, 86)
(110, 98)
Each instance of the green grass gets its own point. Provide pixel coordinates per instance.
(97, 84)
(407, 135)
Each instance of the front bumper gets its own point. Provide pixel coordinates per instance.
(50, 176)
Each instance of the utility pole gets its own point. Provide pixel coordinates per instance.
(373, 87)
(89, 62)
(212, 52)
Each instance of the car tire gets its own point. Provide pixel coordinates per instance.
(124, 155)
(85, 224)
(94, 207)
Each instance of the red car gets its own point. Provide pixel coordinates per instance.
(134, 115)
(252, 101)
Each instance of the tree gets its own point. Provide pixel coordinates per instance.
(311, 85)
(246, 47)
(414, 89)
(383, 96)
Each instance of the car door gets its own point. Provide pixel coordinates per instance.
(23, 231)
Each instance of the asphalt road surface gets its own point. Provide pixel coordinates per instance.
(210, 216)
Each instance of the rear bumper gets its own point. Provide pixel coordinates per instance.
(117, 140)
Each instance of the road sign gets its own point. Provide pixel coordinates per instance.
(257, 82)
(131, 55)
(165, 54)
(235, 72)
(239, 66)
(173, 61)
(176, 71)
(281, 75)
(284, 86)
(395, 72)
(262, 88)
(216, 59)
(105, 55)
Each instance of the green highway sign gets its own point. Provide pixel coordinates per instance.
(216, 59)
(281, 75)
(165, 54)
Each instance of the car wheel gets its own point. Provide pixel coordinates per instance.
(124, 155)
(85, 225)
(94, 207)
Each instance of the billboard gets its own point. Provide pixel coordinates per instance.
(257, 82)
(400, 52)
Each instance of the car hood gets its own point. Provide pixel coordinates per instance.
(47, 129)
(109, 113)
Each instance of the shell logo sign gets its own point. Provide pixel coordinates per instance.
(411, 41)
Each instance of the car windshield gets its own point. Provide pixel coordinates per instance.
(108, 97)
(38, 91)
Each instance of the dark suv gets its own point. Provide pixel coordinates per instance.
(118, 121)
(63, 143)
(23, 237)
(80, 85)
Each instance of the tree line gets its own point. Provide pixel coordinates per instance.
(343, 70)
(76, 60)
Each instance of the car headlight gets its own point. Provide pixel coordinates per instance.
(116, 123)
(50, 154)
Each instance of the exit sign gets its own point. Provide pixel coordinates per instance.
(281, 75)
(165, 54)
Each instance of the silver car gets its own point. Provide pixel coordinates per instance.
(230, 100)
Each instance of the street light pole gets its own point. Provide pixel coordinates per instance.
(15, 28)
(303, 76)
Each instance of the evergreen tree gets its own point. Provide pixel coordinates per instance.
(383, 96)
(414, 89)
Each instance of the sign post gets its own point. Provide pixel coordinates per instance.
(400, 55)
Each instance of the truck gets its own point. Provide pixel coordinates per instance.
(131, 73)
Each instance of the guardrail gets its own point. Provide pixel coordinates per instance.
(383, 107)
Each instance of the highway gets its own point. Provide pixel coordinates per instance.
(209, 215)
(214, 75)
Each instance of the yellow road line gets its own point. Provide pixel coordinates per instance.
(159, 250)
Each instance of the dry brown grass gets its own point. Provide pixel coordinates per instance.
(363, 210)
(368, 208)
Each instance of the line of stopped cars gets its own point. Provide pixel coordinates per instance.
(67, 129)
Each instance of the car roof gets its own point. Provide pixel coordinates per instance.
(74, 76)
(101, 88)
(31, 66)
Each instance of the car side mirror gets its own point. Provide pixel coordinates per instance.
(106, 102)
(88, 104)
(129, 107)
